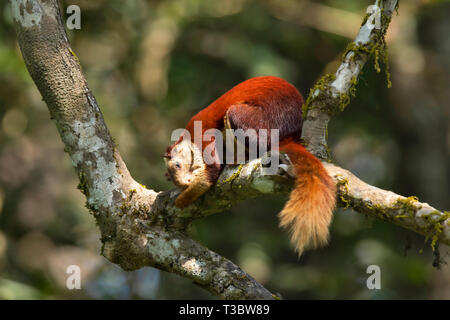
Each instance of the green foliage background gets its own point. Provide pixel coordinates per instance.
(152, 65)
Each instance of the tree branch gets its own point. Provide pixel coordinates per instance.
(113, 197)
(332, 93)
(250, 181)
(408, 212)
(141, 227)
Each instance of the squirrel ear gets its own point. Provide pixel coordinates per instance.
(166, 156)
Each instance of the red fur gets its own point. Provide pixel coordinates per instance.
(273, 103)
(309, 210)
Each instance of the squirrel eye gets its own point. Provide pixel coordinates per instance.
(177, 165)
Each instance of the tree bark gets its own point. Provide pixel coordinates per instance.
(141, 227)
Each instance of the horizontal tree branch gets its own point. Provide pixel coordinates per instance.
(249, 181)
(408, 212)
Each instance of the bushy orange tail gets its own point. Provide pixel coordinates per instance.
(309, 210)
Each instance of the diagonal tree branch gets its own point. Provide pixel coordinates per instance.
(141, 227)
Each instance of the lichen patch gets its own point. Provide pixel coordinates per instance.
(194, 267)
(104, 171)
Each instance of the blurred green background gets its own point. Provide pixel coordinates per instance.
(152, 65)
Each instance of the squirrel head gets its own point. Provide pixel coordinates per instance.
(183, 159)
